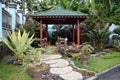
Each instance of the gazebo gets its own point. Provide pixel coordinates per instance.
(60, 16)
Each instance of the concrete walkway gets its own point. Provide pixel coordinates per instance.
(61, 67)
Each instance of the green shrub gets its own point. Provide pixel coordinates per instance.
(32, 55)
(76, 56)
(86, 49)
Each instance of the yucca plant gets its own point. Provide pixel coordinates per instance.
(18, 42)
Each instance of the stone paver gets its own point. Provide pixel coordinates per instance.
(50, 61)
(63, 70)
(57, 56)
(60, 63)
(50, 57)
(72, 76)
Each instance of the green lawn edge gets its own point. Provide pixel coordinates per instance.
(101, 63)
(13, 72)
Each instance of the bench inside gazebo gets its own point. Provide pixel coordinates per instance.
(60, 16)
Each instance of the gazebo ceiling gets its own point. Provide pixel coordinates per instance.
(59, 16)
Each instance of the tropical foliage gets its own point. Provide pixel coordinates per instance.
(18, 42)
(101, 14)
(98, 37)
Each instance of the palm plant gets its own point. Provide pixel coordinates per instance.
(99, 36)
(18, 43)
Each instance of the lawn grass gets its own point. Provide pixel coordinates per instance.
(99, 64)
(13, 72)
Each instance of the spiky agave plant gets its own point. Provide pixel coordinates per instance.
(18, 43)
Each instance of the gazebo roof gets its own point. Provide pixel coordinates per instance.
(59, 16)
(60, 12)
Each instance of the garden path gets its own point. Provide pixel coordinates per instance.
(61, 67)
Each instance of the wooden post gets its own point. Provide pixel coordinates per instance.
(73, 34)
(65, 44)
(41, 32)
(47, 31)
(78, 32)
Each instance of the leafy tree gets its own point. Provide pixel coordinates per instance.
(102, 13)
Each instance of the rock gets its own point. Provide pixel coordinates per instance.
(72, 76)
(50, 57)
(60, 63)
(57, 56)
(8, 59)
(99, 54)
(51, 61)
(106, 50)
(63, 70)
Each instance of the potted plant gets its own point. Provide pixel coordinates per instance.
(85, 51)
(33, 65)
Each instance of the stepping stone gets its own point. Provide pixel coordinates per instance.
(44, 57)
(51, 61)
(60, 71)
(57, 56)
(72, 76)
(60, 63)
(50, 57)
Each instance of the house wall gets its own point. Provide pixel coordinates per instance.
(6, 22)
(12, 11)
(0, 19)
